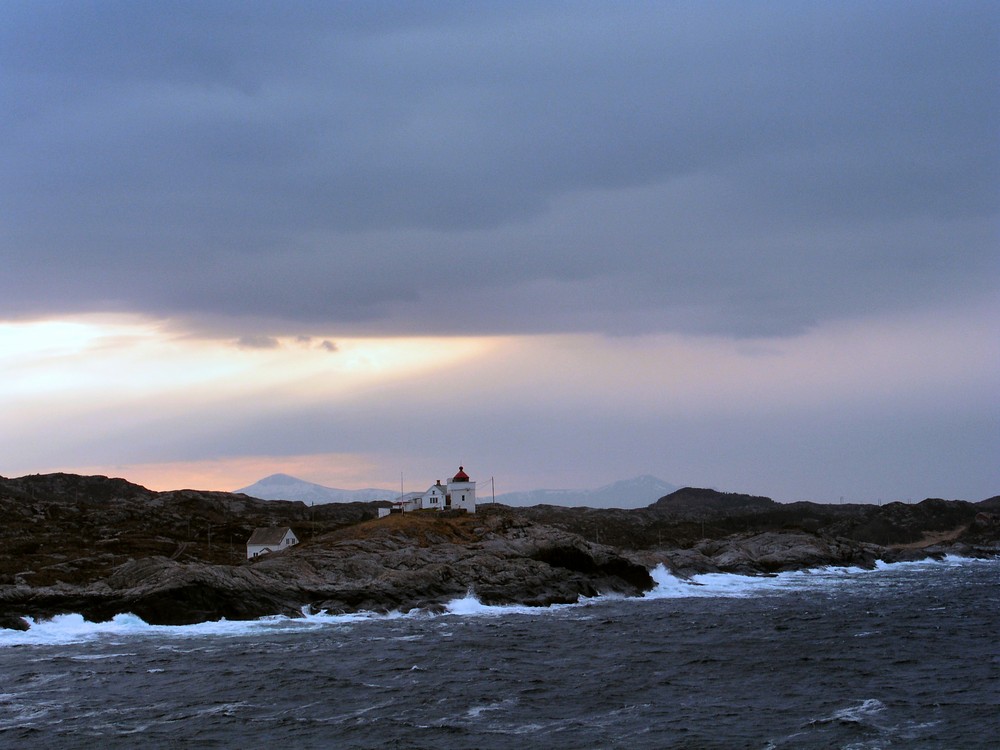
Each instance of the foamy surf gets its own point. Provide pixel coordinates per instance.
(73, 628)
(470, 606)
(728, 585)
(860, 713)
(949, 560)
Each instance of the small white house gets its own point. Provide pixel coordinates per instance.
(458, 494)
(271, 539)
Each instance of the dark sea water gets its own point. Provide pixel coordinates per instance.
(907, 656)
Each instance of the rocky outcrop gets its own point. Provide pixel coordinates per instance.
(65, 528)
(100, 546)
(401, 563)
(770, 552)
(684, 518)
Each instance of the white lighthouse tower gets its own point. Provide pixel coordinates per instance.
(461, 492)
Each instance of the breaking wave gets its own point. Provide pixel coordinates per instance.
(73, 628)
(470, 606)
(669, 586)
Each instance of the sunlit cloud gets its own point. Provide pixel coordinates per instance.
(140, 398)
(348, 471)
(93, 356)
(78, 382)
(257, 342)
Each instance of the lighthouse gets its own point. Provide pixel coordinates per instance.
(461, 492)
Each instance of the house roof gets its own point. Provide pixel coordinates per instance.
(269, 535)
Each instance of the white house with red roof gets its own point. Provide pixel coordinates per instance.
(458, 494)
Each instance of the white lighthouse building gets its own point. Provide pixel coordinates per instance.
(458, 494)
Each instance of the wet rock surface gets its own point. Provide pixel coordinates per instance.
(768, 552)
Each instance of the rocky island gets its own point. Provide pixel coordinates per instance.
(99, 546)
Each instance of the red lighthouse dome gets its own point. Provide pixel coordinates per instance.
(461, 476)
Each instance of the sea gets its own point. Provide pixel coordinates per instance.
(903, 656)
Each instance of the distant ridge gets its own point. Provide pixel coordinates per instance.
(698, 498)
(637, 492)
(287, 487)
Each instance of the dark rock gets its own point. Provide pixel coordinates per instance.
(13, 622)
(766, 553)
(399, 563)
(698, 502)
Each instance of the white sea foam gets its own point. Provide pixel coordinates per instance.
(477, 711)
(860, 713)
(469, 605)
(727, 585)
(669, 586)
(949, 560)
(73, 628)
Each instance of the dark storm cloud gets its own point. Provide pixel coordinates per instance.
(726, 167)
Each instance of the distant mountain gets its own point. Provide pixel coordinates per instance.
(626, 493)
(285, 487)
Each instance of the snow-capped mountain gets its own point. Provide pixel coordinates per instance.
(285, 487)
(626, 493)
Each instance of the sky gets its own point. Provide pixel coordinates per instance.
(748, 246)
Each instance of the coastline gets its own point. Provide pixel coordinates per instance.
(74, 627)
(102, 547)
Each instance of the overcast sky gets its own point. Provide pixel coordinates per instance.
(751, 246)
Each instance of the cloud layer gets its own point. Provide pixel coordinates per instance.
(750, 245)
(516, 167)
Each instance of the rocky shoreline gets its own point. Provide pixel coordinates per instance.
(420, 561)
(98, 547)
